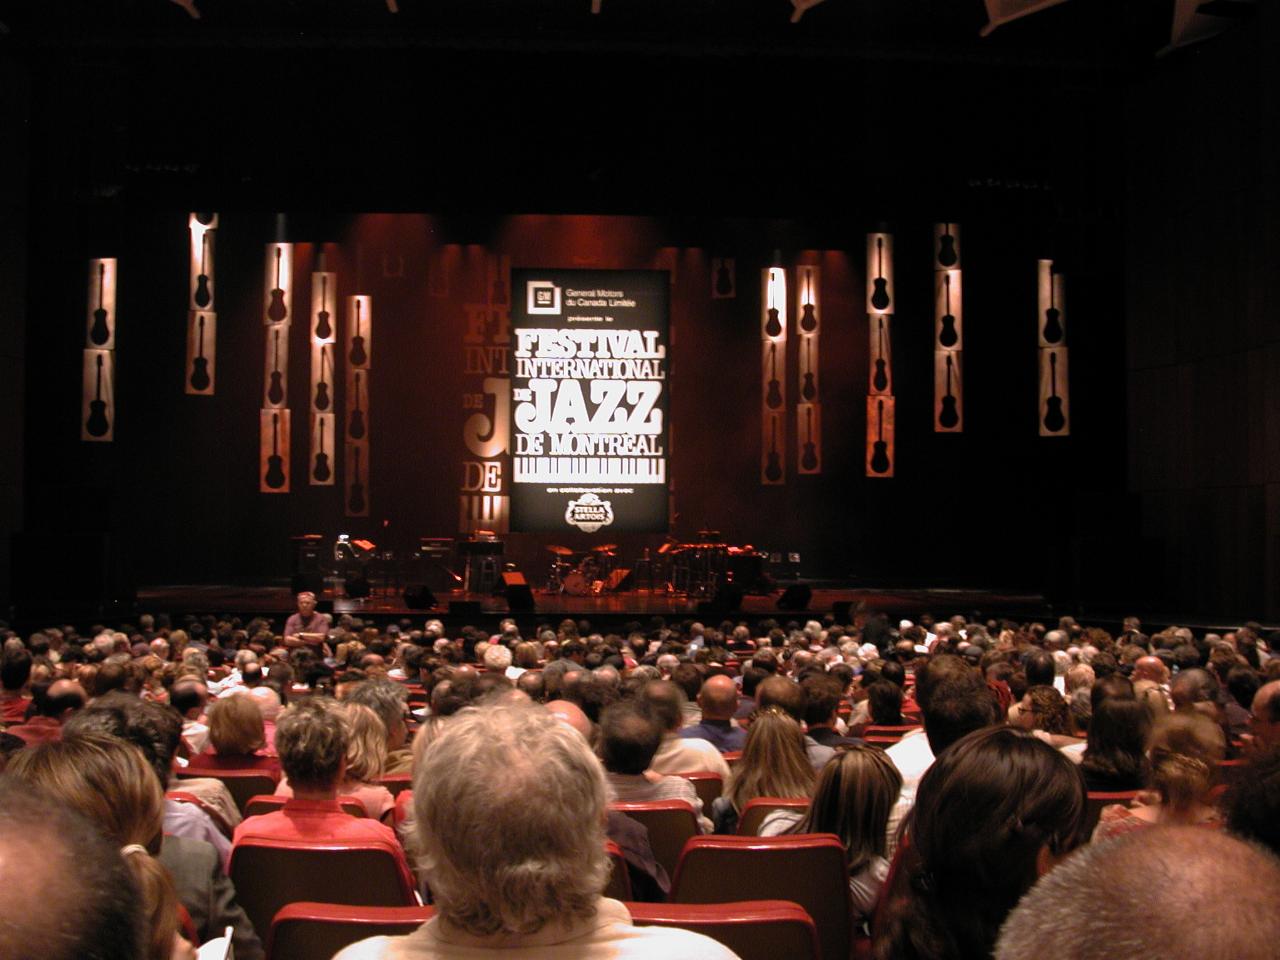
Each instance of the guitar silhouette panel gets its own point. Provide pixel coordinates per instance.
(98, 424)
(947, 255)
(880, 298)
(879, 463)
(200, 380)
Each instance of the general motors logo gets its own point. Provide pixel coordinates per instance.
(589, 513)
(543, 297)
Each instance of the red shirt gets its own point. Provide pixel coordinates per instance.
(322, 822)
(13, 706)
(38, 730)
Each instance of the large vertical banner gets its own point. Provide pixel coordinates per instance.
(589, 401)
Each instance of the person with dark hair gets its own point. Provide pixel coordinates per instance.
(957, 702)
(629, 737)
(752, 677)
(15, 672)
(1252, 803)
(55, 865)
(63, 698)
(156, 731)
(822, 696)
(1116, 756)
(993, 813)
(189, 697)
(678, 754)
(1216, 899)
(885, 704)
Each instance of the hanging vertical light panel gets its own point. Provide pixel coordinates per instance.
(1054, 407)
(202, 318)
(359, 356)
(97, 385)
(880, 453)
(809, 409)
(273, 419)
(773, 346)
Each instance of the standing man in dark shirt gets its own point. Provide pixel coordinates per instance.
(306, 626)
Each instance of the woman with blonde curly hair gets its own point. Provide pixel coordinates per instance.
(109, 782)
(1186, 749)
(773, 764)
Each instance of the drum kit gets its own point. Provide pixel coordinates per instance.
(580, 573)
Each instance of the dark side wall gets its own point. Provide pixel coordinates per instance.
(692, 169)
(1203, 344)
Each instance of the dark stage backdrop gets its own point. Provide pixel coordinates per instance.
(178, 491)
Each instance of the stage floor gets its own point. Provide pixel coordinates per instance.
(382, 605)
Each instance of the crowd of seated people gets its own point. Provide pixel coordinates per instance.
(957, 763)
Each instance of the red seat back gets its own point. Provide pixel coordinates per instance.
(619, 886)
(670, 824)
(753, 929)
(270, 803)
(316, 931)
(397, 782)
(268, 874)
(809, 869)
(243, 785)
(708, 785)
(757, 809)
(1095, 800)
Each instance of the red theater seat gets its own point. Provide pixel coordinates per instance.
(808, 869)
(316, 931)
(753, 929)
(270, 874)
(708, 785)
(877, 733)
(270, 803)
(760, 807)
(1095, 800)
(619, 886)
(397, 782)
(243, 785)
(670, 824)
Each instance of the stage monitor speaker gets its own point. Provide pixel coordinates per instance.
(842, 610)
(357, 588)
(419, 598)
(728, 598)
(465, 608)
(519, 596)
(620, 580)
(307, 583)
(797, 596)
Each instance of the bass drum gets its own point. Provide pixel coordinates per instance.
(576, 585)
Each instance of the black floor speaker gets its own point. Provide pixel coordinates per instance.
(796, 597)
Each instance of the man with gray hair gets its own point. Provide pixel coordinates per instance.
(526, 885)
(1216, 899)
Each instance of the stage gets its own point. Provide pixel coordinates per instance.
(610, 609)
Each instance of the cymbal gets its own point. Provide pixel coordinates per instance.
(605, 547)
(559, 551)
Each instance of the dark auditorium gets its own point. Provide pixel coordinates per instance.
(601, 602)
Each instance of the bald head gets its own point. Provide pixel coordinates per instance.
(572, 714)
(1150, 668)
(718, 698)
(1265, 721)
(1216, 900)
